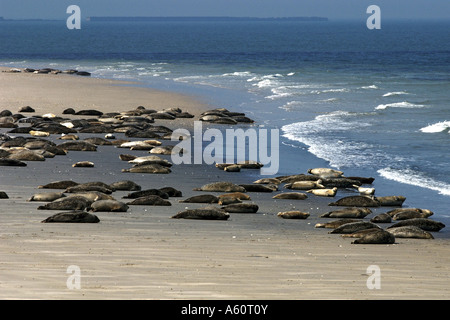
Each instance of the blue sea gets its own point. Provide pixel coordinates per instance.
(368, 102)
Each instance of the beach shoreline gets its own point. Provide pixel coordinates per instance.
(143, 254)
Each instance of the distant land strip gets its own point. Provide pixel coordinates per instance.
(206, 19)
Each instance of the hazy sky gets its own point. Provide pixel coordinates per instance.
(333, 9)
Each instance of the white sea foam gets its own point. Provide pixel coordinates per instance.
(238, 74)
(403, 104)
(437, 127)
(370, 87)
(415, 178)
(396, 93)
(329, 91)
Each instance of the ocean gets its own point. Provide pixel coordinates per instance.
(368, 102)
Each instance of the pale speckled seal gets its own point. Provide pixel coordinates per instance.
(293, 215)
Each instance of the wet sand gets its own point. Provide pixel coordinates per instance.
(144, 254)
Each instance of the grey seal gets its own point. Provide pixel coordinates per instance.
(63, 184)
(381, 218)
(335, 224)
(356, 201)
(241, 208)
(347, 213)
(391, 201)
(73, 217)
(208, 213)
(68, 203)
(149, 201)
(125, 185)
(203, 198)
(355, 226)
(47, 197)
(149, 168)
(109, 206)
(423, 223)
(221, 187)
(379, 237)
(293, 215)
(147, 192)
(291, 196)
(410, 232)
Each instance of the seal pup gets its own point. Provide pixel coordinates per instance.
(348, 213)
(422, 223)
(355, 226)
(291, 196)
(381, 218)
(47, 197)
(150, 201)
(293, 215)
(68, 203)
(203, 198)
(323, 192)
(379, 237)
(305, 185)
(208, 213)
(77, 216)
(221, 187)
(356, 201)
(410, 232)
(109, 206)
(241, 208)
(391, 201)
(334, 224)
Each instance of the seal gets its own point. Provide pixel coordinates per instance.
(256, 188)
(73, 217)
(379, 237)
(297, 177)
(171, 191)
(3, 195)
(355, 226)
(422, 223)
(365, 191)
(147, 192)
(410, 214)
(83, 164)
(398, 210)
(47, 197)
(26, 155)
(326, 172)
(356, 201)
(334, 224)
(359, 234)
(293, 215)
(109, 206)
(348, 213)
(88, 188)
(323, 192)
(77, 146)
(153, 168)
(203, 198)
(125, 185)
(391, 201)
(12, 163)
(68, 203)
(381, 218)
(291, 196)
(410, 232)
(92, 195)
(221, 187)
(305, 185)
(238, 195)
(339, 182)
(233, 168)
(268, 181)
(63, 184)
(241, 208)
(150, 201)
(223, 201)
(150, 160)
(208, 213)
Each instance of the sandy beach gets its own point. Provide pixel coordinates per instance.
(144, 254)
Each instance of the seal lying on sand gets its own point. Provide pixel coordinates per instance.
(73, 217)
(149, 168)
(150, 201)
(208, 213)
(356, 201)
(64, 184)
(147, 192)
(47, 197)
(410, 232)
(334, 224)
(241, 208)
(68, 203)
(398, 210)
(305, 185)
(422, 223)
(203, 198)
(410, 214)
(348, 213)
(391, 201)
(291, 196)
(381, 218)
(379, 237)
(293, 215)
(109, 206)
(355, 226)
(221, 187)
(323, 192)
(125, 185)
(326, 172)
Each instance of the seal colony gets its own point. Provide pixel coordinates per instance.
(274, 211)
